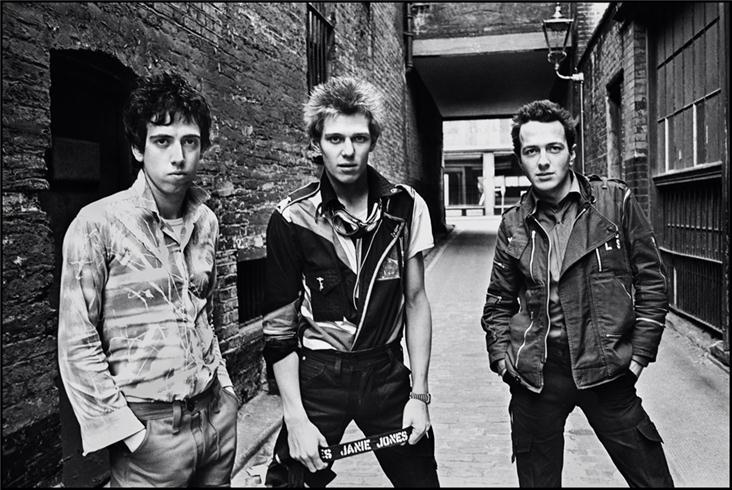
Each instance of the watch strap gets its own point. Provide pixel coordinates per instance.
(426, 398)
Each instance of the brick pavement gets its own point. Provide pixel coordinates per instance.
(470, 404)
(685, 392)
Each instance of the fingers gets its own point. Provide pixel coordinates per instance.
(417, 434)
(304, 442)
(416, 416)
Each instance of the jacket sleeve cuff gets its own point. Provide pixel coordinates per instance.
(113, 427)
(642, 360)
(223, 376)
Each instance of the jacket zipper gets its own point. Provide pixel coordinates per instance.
(599, 262)
(359, 264)
(523, 344)
(531, 260)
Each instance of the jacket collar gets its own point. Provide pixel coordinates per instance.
(143, 196)
(529, 200)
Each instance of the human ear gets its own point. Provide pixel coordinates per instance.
(572, 154)
(136, 153)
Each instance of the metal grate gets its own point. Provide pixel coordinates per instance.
(319, 40)
(250, 288)
(695, 288)
(693, 247)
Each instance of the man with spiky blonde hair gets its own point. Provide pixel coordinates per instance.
(345, 279)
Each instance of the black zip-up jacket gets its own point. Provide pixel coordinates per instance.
(612, 288)
(310, 289)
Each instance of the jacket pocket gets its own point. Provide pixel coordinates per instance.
(327, 294)
(613, 317)
(612, 305)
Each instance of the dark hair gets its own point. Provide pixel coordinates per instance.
(542, 111)
(343, 95)
(159, 99)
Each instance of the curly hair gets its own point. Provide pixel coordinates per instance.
(343, 95)
(542, 111)
(159, 99)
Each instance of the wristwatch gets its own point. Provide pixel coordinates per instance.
(423, 397)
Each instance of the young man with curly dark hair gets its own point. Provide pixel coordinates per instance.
(138, 355)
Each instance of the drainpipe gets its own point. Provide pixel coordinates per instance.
(408, 36)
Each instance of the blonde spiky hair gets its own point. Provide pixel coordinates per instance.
(343, 95)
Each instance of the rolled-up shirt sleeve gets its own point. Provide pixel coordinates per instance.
(282, 291)
(97, 402)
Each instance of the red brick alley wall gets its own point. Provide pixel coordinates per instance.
(618, 49)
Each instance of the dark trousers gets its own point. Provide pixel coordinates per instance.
(187, 444)
(613, 410)
(370, 388)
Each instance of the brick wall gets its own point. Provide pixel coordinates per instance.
(249, 59)
(618, 49)
(468, 19)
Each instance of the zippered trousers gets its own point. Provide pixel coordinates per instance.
(613, 410)
(368, 387)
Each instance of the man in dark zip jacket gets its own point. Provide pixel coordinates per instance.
(575, 308)
(344, 280)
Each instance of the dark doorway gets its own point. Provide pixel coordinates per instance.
(615, 128)
(89, 158)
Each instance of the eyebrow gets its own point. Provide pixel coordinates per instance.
(166, 135)
(336, 133)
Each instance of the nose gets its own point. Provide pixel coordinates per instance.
(347, 147)
(543, 160)
(176, 156)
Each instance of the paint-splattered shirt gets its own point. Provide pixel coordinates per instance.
(135, 316)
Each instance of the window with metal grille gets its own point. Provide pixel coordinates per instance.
(250, 288)
(687, 75)
(319, 34)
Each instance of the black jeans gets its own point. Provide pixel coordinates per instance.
(613, 410)
(370, 388)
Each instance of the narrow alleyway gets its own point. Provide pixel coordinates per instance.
(686, 393)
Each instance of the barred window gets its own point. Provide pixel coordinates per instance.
(319, 41)
(687, 61)
(688, 72)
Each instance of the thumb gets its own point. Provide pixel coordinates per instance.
(322, 442)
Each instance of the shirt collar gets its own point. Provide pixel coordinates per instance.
(574, 192)
(192, 204)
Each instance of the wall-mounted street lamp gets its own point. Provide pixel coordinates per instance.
(556, 32)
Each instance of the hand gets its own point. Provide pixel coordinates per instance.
(133, 442)
(636, 368)
(304, 439)
(417, 416)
